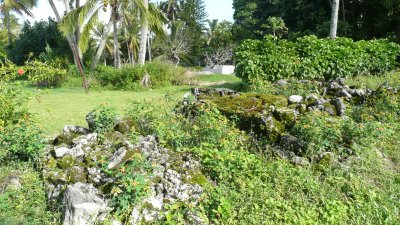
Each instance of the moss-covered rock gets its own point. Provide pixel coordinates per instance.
(66, 162)
(125, 125)
(76, 174)
(272, 128)
(250, 104)
(286, 116)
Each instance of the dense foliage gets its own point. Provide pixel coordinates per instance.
(312, 58)
(33, 41)
(132, 77)
(357, 19)
(19, 138)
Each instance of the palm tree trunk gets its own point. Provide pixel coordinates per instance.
(334, 18)
(144, 34)
(117, 62)
(149, 47)
(8, 26)
(74, 49)
(102, 45)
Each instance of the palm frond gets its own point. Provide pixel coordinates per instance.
(85, 36)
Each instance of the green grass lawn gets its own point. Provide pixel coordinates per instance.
(61, 106)
(218, 78)
(57, 107)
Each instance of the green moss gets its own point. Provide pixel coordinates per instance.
(66, 162)
(56, 176)
(198, 178)
(93, 158)
(76, 174)
(286, 116)
(330, 108)
(125, 125)
(249, 104)
(273, 129)
(51, 163)
(65, 139)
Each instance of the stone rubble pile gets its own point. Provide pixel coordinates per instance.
(76, 178)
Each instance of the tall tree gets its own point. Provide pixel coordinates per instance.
(144, 35)
(195, 17)
(21, 7)
(334, 18)
(171, 8)
(74, 48)
(102, 36)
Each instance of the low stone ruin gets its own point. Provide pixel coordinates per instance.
(76, 166)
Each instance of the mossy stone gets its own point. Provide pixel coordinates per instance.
(286, 116)
(273, 128)
(249, 104)
(76, 174)
(329, 108)
(51, 163)
(57, 176)
(125, 125)
(66, 162)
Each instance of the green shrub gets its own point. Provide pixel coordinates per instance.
(25, 204)
(40, 73)
(130, 77)
(251, 188)
(308, 57)
(11, 98)
(103, 119)
(20, 141)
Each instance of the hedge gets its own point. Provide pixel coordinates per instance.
(309, 57)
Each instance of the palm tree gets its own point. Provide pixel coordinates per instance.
(131, 26)
(171, 8)
(152, 19)
(144, 35)
(212, 27)
(334, 18)
(21, 7)
(74, 48)
(102, 40)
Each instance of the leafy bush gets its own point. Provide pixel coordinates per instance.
(250, 187)
(20, 141)
(130, 77)
(25, 204)
(11, 98)
(102, 119)
(308, 57)
(40, 73)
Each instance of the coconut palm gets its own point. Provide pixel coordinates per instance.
(212, 27)
(171, 8)
(21, 7)
(72, 41)
(334, 18)
(101, 41)
(152, 21)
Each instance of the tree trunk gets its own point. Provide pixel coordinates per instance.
(102, 45)
(334, 18)
(149, 47)
(74, 49)
(117, 62)
(144, 34)
(7, 20)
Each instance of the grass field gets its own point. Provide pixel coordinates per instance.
(61, 106)
(57, 107)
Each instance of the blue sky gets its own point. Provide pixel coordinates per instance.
(216, 9)
(219, 9)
